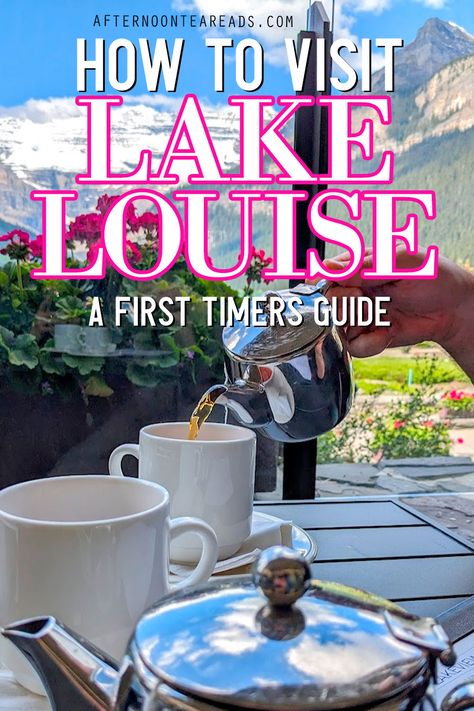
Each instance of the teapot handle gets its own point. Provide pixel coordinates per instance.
(321, 287)
(459, 698)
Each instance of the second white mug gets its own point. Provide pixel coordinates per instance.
(211, 477)
(92, 551)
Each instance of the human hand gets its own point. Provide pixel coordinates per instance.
(440, 310)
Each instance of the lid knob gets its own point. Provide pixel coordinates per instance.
(282, 575)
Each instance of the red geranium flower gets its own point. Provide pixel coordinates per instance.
(85, 228)
(19, 247)
(148, 220)
(134, 253)
(36, 246)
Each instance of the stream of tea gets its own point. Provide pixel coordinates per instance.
(203, 409)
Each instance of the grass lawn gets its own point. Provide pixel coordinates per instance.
(394, 371)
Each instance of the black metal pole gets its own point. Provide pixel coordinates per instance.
(311, 144)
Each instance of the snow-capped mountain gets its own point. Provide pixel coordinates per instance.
(43, 143)
(54, 139)
(436, 44)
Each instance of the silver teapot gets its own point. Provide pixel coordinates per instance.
(276, 642)
(291, 382)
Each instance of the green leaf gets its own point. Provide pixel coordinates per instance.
(161, 360)
(24, 352)
(69, 303)
(70, 308)
(85, 365)
(3, 280)
(52, 364)
(172, 356)
(143, 338)
(97, 387)
(167, 361)
(168, 344)
(144, 376)
(7, 338)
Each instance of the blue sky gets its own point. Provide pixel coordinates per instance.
(38, 38)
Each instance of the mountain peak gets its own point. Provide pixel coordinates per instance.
(436, 29)
(436, 44)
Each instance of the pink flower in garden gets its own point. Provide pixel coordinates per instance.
(148, 220)
(428, 423)
(19, 247)
(85, 228)
(92, 252)
(134, 252)
(21, 237)
(258, 262)
(36, 246)
(259, 255)
(398, 424)
(460, 440)
(369, 421)
(104, 202)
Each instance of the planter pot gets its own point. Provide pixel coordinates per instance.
(460, 415)
(83, 340)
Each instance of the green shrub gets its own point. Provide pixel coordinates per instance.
(406, 427)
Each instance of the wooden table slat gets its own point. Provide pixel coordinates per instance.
(430, 608)
(400, 542)
(342, 515)
(408, 579)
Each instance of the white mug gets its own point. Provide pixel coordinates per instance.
(92, 551)
(211, 477)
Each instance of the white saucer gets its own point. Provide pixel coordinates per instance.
(241, 562)
(301, 541)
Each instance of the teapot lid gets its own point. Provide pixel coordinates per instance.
(266, 644)
(260, 342)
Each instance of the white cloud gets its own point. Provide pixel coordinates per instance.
(272, 38)
(42, 110)
(376, 6)
(434, 4)
(162, 101)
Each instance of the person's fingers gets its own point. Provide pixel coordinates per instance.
(340, 263)
(340, 292)
(370, 343)
(354, 281)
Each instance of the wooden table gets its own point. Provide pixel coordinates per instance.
(386, 547)
(381, 545)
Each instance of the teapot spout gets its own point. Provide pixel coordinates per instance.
(77, 676)
(248, 402)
